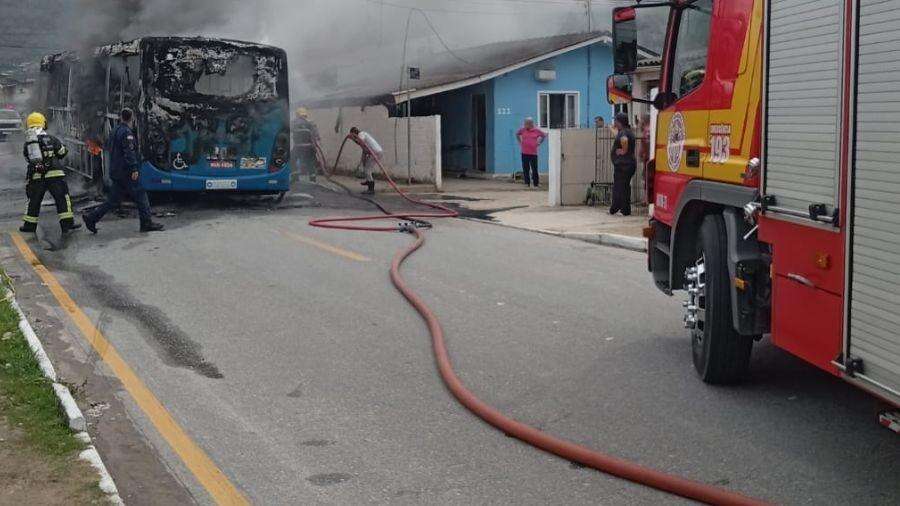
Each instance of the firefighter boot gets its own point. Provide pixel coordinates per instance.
(90, 223)
(69, 226)
(150, 226)
(28, 228)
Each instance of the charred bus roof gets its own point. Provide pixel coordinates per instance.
(133, 47)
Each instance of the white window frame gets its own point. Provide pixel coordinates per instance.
(539, 117)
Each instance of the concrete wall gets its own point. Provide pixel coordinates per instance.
(577, 168)
(516, 97)
(584, 157)
(335, 123)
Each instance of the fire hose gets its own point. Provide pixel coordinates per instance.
(565, 449)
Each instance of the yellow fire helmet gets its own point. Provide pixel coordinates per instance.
(36, 120)
(302, 112)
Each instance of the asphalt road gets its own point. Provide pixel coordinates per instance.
(308, 379)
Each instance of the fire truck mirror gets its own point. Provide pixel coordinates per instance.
(664, 100)
(618, 89)
(625, 39)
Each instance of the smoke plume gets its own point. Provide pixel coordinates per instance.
(328, 40)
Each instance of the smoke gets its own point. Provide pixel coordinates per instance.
(98, 22)
(337, 44)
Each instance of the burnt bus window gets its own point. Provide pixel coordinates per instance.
(58, 86)
(231, 78)
(132, 87)
(691, 47)
(116, 83)
(124, 82)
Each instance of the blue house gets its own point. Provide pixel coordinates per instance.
(559, 81)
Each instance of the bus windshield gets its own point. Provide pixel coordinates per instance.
(188, 71)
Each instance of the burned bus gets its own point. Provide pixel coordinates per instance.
(211, 114)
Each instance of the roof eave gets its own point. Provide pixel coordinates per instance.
(412, 94)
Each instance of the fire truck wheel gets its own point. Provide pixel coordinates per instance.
(721, 355)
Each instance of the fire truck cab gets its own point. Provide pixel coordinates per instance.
(775, 185)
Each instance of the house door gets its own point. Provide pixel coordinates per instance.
(479, 135)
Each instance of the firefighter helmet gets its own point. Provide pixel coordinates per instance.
(36, 120)
(302, 112)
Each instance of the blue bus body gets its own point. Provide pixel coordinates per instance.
(212, 114)
(215, 115)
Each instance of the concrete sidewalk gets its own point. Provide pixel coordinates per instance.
(510, 204)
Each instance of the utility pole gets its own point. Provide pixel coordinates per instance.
(590, 57)
(590, 15)
(409, 137)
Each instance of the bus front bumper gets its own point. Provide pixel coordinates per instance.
(155, 180)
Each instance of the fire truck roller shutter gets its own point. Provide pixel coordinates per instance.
(802, 102)
(874, 323)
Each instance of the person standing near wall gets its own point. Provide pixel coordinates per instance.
(624, 165)
(530, 140)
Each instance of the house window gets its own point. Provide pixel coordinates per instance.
(558, 110)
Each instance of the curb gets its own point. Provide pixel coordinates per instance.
(614, 240)
(638, 244)
(71, 410)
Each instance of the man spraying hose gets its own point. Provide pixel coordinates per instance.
(44, 154)
(370, 148)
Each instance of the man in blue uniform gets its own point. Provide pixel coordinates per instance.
(124, 170)
(44, 154)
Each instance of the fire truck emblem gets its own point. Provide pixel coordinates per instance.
(675, 146)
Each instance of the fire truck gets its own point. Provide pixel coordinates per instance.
(775, 184)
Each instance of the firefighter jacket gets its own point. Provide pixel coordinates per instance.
(123, 158)
(305, 133)
(44, 154)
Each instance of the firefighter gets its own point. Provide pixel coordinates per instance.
(124, 170)
(624, 165)
(305, 136)
(44, 154)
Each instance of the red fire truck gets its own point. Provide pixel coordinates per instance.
(775, 185)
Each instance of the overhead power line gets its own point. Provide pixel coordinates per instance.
(497, 3)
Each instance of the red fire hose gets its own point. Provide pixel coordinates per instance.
(560, 447)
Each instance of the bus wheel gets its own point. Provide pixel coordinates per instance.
(721, 355)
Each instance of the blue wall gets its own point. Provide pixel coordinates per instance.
(516, 98)
(456, 125)
(512, 97)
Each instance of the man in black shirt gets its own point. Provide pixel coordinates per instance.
(624, 166)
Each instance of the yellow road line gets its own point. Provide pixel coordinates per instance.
(196, 460)
(325, 246)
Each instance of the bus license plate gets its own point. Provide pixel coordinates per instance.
(221, 184)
